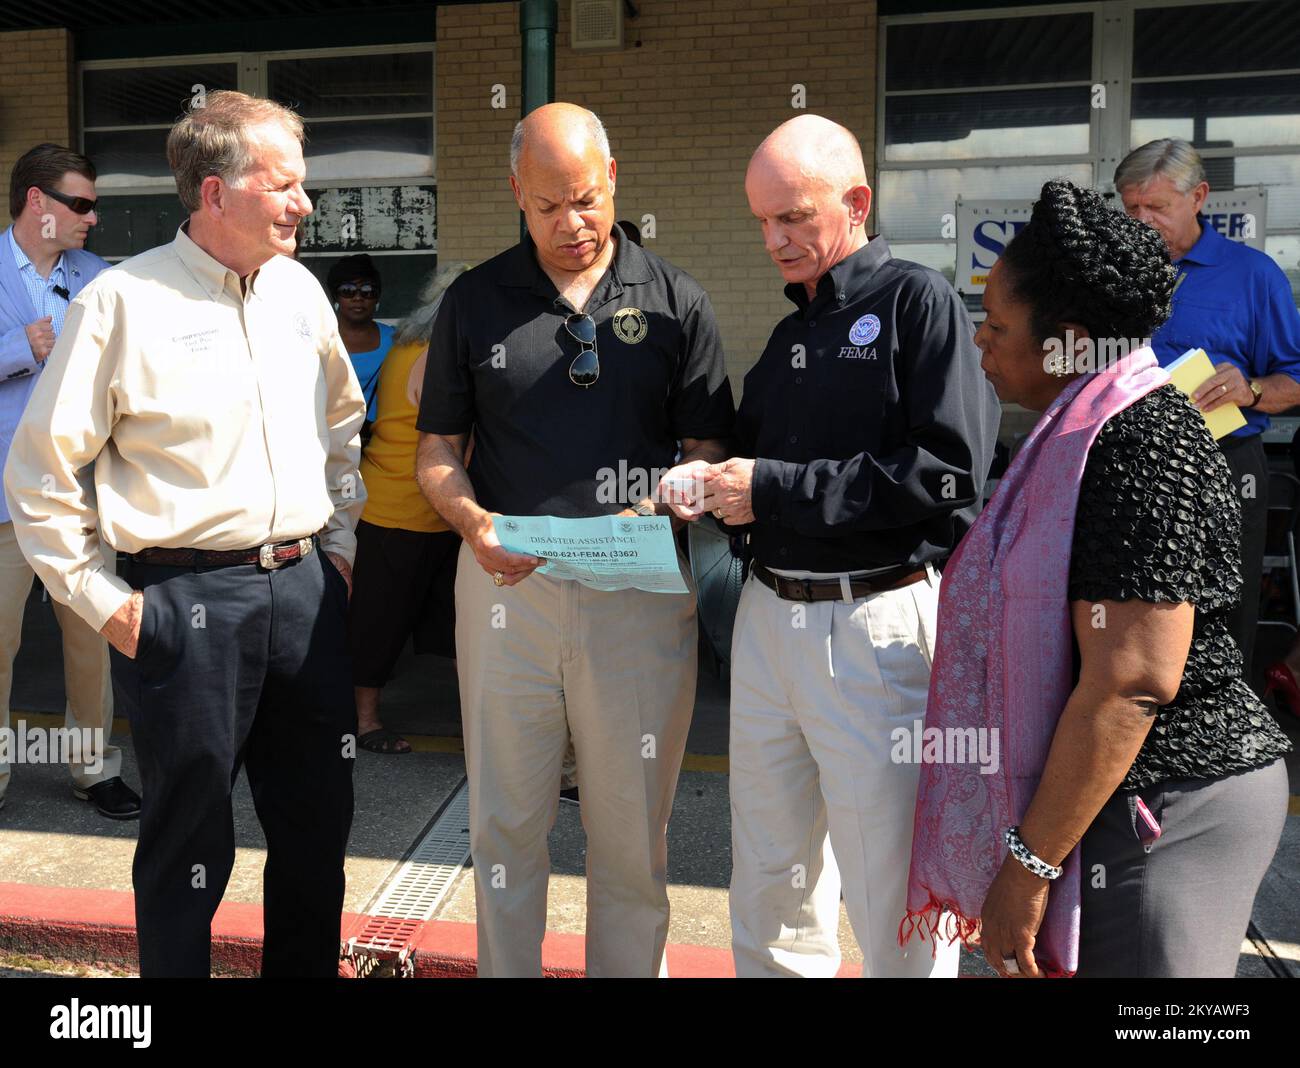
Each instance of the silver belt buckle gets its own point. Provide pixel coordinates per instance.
(266, 554)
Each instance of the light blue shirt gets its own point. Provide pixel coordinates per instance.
(41, 290)
(26, 296)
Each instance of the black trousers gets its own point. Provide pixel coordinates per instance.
(1249, 467)
(240, 666)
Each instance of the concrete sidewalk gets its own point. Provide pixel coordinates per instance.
(65, 872)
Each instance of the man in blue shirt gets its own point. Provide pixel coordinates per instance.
(1234, 302)
(42, 267)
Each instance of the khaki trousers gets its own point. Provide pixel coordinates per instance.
(85, 667)
(539, 663)
(818, 804)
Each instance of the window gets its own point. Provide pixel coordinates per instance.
(369, 115)
(978, 106)
(984, 104)
(1190, 80)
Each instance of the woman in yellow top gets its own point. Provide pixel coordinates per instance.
(405, 570)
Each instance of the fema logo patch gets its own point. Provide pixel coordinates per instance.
(302, 327)
(865, 330)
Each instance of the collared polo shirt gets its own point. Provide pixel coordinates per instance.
(217, 416)
(1234, 302)
(498, 364)
(871, 421)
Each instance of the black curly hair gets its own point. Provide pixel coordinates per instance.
(1079, 260)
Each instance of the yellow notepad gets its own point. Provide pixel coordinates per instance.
(1189, 372)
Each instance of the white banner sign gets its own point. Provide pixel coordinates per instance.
(984, 227)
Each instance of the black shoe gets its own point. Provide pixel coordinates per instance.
(570, 795)
(111, 798)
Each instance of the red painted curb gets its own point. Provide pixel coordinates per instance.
(86, 926)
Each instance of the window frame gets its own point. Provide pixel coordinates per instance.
(1112, 67)
(252, 78)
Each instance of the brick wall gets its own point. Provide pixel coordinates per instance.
(36, 95)
(684, 111)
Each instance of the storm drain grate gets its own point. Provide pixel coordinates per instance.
(417, 888)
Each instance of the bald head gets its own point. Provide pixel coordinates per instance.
(557, 130)
(563, 180)
(807, 185)
(812, 148)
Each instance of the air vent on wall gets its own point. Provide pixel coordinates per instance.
(597, 25)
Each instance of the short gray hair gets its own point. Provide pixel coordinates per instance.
(1170, 157)
(212, 139)
(595, 129)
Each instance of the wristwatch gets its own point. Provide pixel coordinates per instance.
(1256, 389)
(643, 508)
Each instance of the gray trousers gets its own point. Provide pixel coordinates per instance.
(1181, 909)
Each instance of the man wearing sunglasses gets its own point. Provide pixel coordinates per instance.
(573, 353)
(43, 265)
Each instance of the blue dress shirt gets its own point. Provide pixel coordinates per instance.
(1234, 302)
(41, 290)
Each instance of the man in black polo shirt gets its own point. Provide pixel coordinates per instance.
(579, 361)
(873, 429)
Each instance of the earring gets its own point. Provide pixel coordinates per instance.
(1059, 366)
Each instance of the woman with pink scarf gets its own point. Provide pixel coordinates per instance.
(1140, 792)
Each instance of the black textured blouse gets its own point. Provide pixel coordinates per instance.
(1158, 521)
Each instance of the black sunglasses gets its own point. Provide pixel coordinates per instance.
(585, 368)
(365, 289)
(80, 205)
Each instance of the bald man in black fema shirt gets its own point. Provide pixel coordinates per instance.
(865, 431)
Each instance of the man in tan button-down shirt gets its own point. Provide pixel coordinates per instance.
(206, 383)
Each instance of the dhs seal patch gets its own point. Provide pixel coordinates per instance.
(630, 325)
(302, 327)
(865, 330)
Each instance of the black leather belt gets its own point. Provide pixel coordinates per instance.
(789, 589)
(267, 556)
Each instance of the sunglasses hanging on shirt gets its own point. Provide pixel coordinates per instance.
(585, 369)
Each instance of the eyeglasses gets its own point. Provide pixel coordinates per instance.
(366, 291)
(79, 205)
(585, 368)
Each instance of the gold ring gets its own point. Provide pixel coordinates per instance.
(499, 578)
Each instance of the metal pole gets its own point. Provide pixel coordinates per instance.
(537, 23)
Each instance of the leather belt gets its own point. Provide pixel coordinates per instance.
(268, 557)
(830, 589)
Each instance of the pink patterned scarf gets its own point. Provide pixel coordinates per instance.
(1004, 662)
